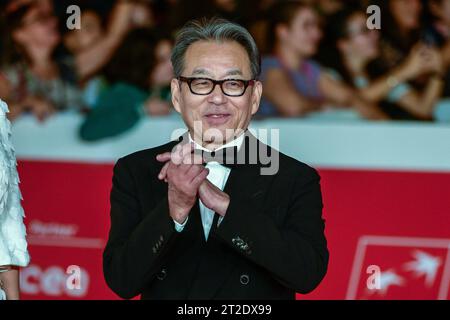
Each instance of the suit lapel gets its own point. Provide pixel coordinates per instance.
(246, 184)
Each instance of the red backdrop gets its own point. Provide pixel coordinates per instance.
(397, 221)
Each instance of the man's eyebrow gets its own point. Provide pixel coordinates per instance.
(234, 72)
(201, 72)
(204, 72)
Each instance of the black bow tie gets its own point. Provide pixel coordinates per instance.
(227, 157)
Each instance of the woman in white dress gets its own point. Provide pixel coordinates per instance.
(13, 245)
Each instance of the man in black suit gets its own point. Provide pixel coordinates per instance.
(189, 221)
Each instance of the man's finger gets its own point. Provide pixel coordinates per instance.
(200, 177)
(193, 171)
(180, 152)
(193, 158)
(164, 157)
(177, 156)
(163, 173)
(187, 149)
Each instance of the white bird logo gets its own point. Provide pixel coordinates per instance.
(424, 265)
(387, 279)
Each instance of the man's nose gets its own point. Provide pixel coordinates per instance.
(217, 96)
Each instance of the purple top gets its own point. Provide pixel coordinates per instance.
(305, 80)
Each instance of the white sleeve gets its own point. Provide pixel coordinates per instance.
(13, 244)
(179, 227)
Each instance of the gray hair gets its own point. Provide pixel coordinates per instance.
(214, 29)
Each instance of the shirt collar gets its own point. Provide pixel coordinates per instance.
(237, 142)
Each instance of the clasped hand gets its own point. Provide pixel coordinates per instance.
(186, 178)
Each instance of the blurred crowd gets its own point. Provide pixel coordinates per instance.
(317, 55)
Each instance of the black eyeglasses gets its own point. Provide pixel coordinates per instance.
(229, 87)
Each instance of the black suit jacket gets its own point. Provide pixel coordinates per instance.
(269, 245)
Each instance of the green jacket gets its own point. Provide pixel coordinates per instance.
(117, 110)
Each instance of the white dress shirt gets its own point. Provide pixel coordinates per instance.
(218, 176)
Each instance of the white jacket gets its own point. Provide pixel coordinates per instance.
(13, 245)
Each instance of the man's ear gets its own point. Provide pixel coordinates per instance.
(176, 94)
(256, 96)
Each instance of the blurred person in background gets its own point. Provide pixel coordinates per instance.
(13, 244)
(44, 5)
(164, 13)
(244, 12)
(137, 84)
(96, 42)
(32, 79)
(93, 29)
(143, 14)
(401, 29)
(327, 8)
(258, 26)
(295, 85)
(438, 32)
(355, 60)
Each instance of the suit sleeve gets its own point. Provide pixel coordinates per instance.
(296, 253)
(138, 242)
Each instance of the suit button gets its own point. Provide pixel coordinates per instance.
(238, 242)
(161, 275)
(244, 279)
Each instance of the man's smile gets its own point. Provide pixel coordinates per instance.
(214, 119)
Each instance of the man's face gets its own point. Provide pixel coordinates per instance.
(216, 112)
